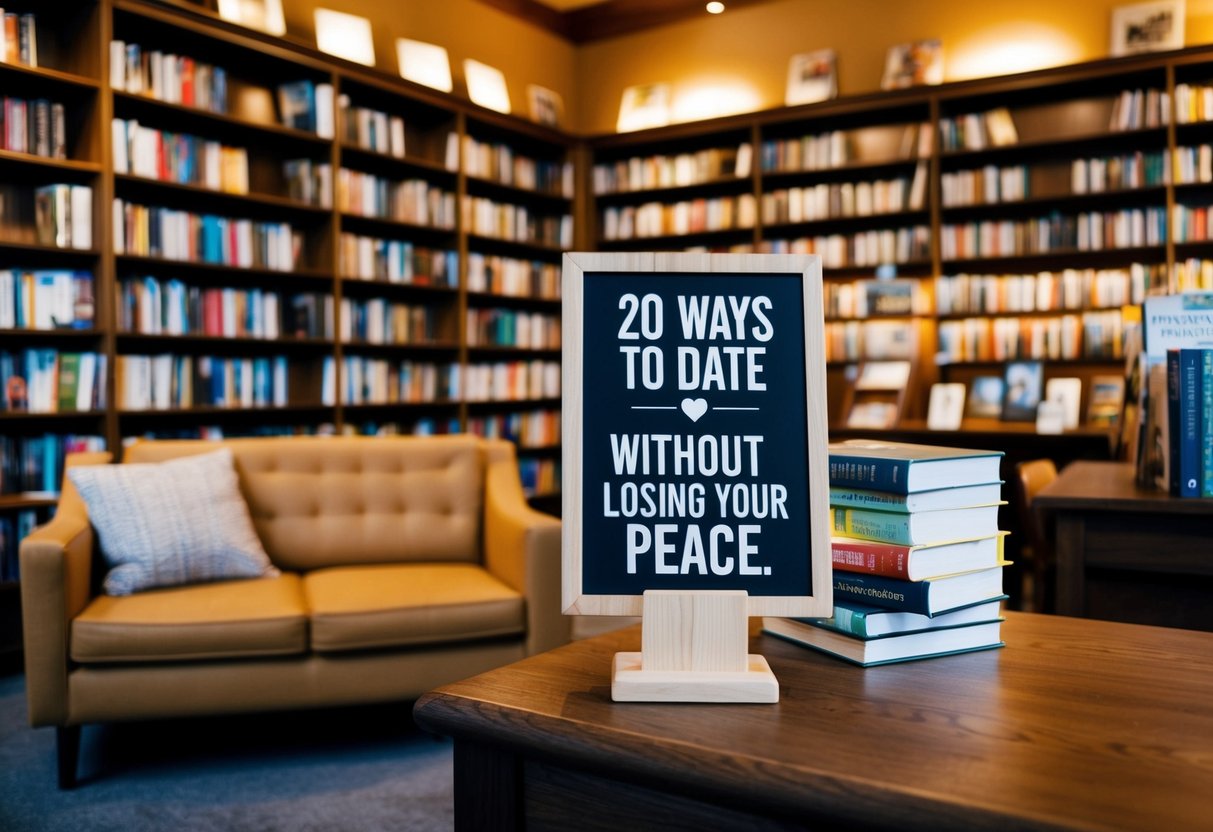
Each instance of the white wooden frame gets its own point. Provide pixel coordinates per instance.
(576, 265)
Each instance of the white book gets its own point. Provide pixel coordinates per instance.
(81, 214)
(86, 376)
(8, 304)
(325, 127)
(118, 221)
(117, 64)
(396, 135)
(118, 138)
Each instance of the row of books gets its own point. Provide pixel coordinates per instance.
(1140, 109)
(46, 299)
(504, 221)
(692, 216)
(380, 321)
(367, 380)
(170, 382)
(47, 380)
(987, 185)
(35, 463)
(838, 200)
(1093, 334)
(179, 157)
(978, 131)
(14, 527)
(513, 277)
(396, 261)
(1046, 291)
(1189, 434)
(837, 148)
(1192, 274)
(1193, 164)
(641, 173)
(413, 201)
(308, 106)
(1086, 231)
(512, 328)
(917, 555)
(858, 340)
(1193, 103)
(862, 249)
(1131, 170)
(527, 429)
(865, 298)
(155, 306)
(18, 38)
(37, 126)
(370, 129)
(1193, 223)
(512, 381)
(172, 234)
(539, 476)
(309, 181)
(63, 216)
(499, 162)
(174, 79)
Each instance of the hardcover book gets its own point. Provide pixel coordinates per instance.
(868, 621)
(934, 500)
(916, 563)
(916, 528)
(929, 597)
(894, 648)
(904, 468)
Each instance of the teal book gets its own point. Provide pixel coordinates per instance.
(868, 621)
(1206, 442)
(869, 652)
(916, 528)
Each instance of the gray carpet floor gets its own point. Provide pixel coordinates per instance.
(350, 769)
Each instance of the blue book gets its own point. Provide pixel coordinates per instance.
(903, 468)
(930, 597)
(1206, 440)
(1184, 399)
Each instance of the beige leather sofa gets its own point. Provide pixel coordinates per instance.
(406, 563)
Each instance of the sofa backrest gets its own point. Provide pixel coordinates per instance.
(327, 501)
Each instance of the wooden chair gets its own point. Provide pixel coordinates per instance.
(1030, 478)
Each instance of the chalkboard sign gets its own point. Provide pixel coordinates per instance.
(694, 431)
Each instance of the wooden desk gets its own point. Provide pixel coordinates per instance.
(1129, 554)
(1076, 724)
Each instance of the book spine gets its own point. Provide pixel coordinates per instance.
(1173, 419)
(1190, 423)
(869, 474)
(872, 525)
(1206, 440)
(858, 498)
(887, 559)
(903, 596)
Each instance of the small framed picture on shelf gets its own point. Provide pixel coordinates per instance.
(547, 107)
(985, 398)
(945, 410)
(873, 414)
(1023, 385)
(262, 15)
(811, 78)
(644, 105)
(1106, 401)
(1068, 393)
(913, 64)
(883, 375)
(1147, 27)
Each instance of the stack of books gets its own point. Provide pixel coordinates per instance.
(917, 554)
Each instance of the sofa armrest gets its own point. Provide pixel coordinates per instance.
(56, 584)
(522, 549)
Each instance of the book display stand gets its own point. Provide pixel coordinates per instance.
(694, 649)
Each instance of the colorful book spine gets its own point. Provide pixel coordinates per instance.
(890, 593)
(885, 526)
(891, 560)
(1184, 375)
(1206, 442)
(891, 475)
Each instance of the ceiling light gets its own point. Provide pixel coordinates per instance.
(715, 7)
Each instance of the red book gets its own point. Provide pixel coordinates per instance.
(916, 563)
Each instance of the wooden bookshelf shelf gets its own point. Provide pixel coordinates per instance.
(360, 158)
(198, 198)
(673, 193)
(839, 224)
(551, 305)
(1041, 205)
(1072, 145)
(516, 248)
(386, 227)
(512, 193)
(46, 78)
(71, 169)
(28, 499)
(212, 124)
(870, 169)
(191, 342)
(436, 348)
(1061, 259)
(163, 265)
(494, 351)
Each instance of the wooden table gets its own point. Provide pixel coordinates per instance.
(1076, 724)
(1129, 554)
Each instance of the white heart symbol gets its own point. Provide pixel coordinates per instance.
(694, 408)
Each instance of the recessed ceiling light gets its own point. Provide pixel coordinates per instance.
(715, 7)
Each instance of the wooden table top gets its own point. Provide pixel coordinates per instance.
(1112, 486)
(1075, 724)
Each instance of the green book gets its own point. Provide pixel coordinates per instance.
(69, 379)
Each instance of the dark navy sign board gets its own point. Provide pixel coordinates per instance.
(695, 457)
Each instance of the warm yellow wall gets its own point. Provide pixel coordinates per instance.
(468, 29)
(747, 50)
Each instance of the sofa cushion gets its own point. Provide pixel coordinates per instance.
(360, 607)
(176, 522)
(331, 501)
(226, 620)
